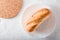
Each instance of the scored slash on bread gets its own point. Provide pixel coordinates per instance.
(37, 18)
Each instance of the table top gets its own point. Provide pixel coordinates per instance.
(12, 29)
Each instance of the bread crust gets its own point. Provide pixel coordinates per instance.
(10, 8)
(37, 18)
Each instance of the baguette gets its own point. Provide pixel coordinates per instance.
(37, 18)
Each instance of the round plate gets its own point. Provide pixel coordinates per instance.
(47, 27)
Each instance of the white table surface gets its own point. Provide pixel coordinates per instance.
(10, 29)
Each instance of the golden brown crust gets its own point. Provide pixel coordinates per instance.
(9, 8)
(37, 18)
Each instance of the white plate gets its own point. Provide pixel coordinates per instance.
(47, 27)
